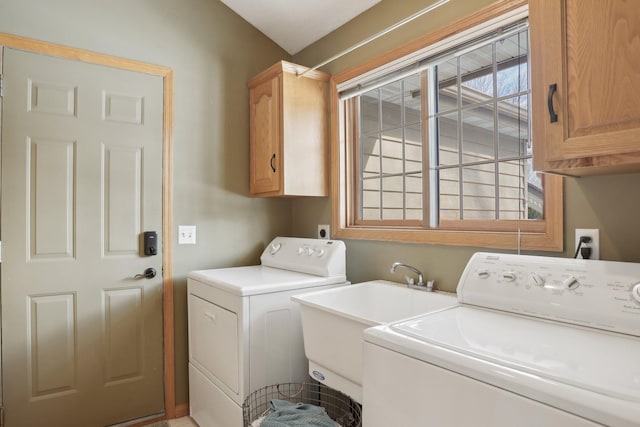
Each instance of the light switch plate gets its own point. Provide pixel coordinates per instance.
(186, 234)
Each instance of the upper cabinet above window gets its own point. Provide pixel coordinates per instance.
(288, 127)
(586, 85)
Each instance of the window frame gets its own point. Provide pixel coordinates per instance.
(544, 235)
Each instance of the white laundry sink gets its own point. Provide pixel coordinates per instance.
(333, 321)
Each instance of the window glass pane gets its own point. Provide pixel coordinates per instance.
(476, 74)
(478, 134)
(449, 200)
(479, 189)
(371, 199)
(413, 149)
(513, 127)
(535, 193)
(447, 78)
(413, 196)
(392, 152)
(370, 112)
(512, 191)
(370, 156)
(512, 56)
(392, 197)
(371, 214)
(391, 102)
(412, 100)
(448, 143)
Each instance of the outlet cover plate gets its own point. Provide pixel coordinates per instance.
(594, 233)
(324, 231)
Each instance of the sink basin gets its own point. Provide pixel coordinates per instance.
(333, 321)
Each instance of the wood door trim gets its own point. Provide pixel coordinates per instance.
(66, 52)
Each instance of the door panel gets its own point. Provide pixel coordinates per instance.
(123, 330)
(122, 166)
(52, 363)
(51, 174)
(82, 179)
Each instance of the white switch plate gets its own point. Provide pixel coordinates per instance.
(186, 234)
(594, 233)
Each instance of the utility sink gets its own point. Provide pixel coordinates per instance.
(333, 321)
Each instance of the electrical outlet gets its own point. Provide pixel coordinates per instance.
(186, 234)
(594, 233)
(324, 231)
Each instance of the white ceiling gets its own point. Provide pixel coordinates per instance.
(295, 24)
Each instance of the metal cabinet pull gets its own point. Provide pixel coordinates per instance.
(273, 166)
(553, 88)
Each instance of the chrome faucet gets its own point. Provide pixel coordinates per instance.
(410, 282)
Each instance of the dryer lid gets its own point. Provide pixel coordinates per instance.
(590, 359)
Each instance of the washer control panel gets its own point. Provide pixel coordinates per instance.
(599, 294)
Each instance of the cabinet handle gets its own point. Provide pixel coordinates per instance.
(273, 166)
(553, 117)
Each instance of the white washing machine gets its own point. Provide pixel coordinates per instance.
(244, 330)
(536, 342)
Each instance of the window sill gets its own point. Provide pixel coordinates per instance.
(487, 239)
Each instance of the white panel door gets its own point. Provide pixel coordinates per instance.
(81, 180)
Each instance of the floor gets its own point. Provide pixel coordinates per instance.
(182, 422)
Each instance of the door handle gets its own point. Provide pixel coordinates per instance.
(148, 273)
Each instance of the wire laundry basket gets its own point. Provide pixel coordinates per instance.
(339, 407)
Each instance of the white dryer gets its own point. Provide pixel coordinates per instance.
(244, 330)
(536, 341)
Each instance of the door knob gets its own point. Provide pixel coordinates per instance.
(148, 273)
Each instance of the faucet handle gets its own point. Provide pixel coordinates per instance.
(409, 280)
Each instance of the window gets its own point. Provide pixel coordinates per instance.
(436, 147)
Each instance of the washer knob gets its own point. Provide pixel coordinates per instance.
(570, 283)
(635, 292)
(537, 279)
(483, 274)
(509, 276)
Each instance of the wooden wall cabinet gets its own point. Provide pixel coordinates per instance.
(288, 132)
(586, 70)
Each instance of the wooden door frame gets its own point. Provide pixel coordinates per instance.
(51, 49)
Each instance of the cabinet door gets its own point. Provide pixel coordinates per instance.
(589, 50)
(265, 138)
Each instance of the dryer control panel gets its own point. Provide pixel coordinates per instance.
(597, 294)
(319, 257)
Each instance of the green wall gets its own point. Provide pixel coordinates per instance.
(213, 53)
(610, 203)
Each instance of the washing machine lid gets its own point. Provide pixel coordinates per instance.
(258, 279)
(602, 362)
(585, 371)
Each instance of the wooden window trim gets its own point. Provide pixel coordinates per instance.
(542, 235)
